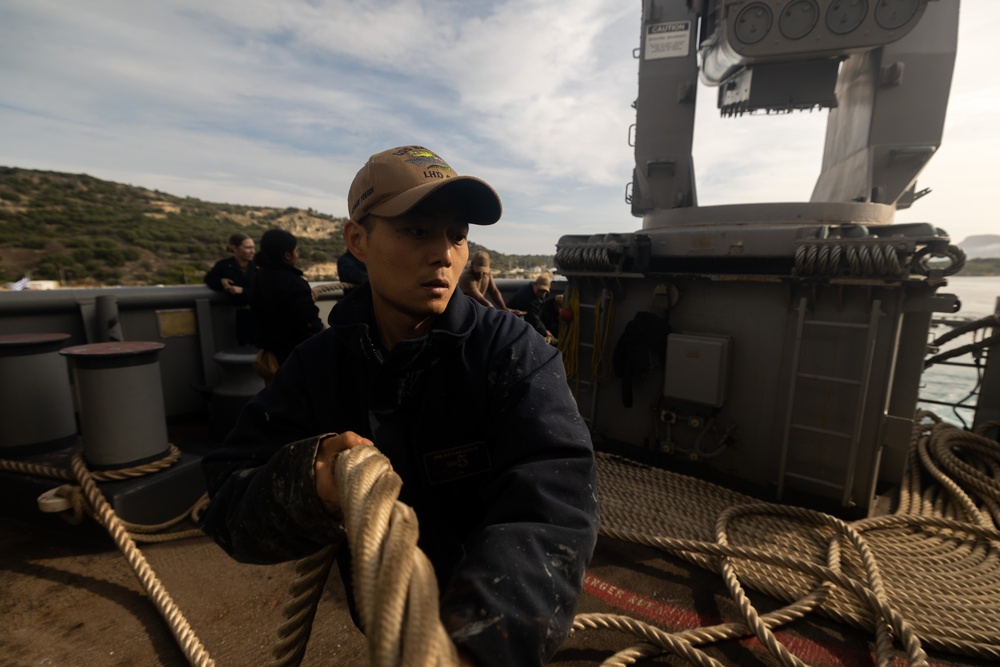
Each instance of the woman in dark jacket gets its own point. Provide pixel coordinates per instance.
(234, 275)
(281, 301)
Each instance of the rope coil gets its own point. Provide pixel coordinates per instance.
(928, 574)
(859, 260)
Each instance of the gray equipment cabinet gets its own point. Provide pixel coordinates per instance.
(795, 331)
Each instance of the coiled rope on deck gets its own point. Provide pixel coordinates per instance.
(928, 574)
(121, 532)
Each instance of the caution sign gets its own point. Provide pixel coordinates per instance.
(668, 40)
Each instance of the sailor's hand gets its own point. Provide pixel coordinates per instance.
(326, 460)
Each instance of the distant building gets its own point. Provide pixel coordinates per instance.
(26, 284)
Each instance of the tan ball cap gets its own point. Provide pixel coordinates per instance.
(394, 181)
(481, 261)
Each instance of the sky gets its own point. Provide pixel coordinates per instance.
(280, 103)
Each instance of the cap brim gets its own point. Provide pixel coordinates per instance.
(480, 202)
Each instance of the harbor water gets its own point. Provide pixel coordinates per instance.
(957, 384)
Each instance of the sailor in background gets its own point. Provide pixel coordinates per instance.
(281, 301)
(477, 281)
(351, 271)
(234, 275)
(471, 408)
(529, 299)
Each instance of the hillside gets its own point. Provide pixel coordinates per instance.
(81, 230)
(982, 246)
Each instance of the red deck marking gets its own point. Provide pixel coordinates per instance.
(674, 618)
(647, 608)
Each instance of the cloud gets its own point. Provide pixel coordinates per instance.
(257, 102)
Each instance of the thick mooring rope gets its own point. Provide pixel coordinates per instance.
(187, 640)
(929, 574)
(39, 470)
(394, 584)
(332, 287)
(300, 610)
(79, 508)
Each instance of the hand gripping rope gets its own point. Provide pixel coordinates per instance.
(394, 584)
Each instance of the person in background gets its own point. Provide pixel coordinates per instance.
(351, 271)
(550, 312)
(234, 275)
(529, 298)
(471, 408)
(477, 281)
(281, 302)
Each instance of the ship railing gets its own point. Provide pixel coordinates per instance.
(972, 344)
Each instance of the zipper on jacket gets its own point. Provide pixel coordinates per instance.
(377, 353)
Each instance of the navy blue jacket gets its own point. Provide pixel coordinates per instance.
(478, 421)
(524, 299)
(283, 309)
(230, 268)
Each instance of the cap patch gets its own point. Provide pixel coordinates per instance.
(425, 159)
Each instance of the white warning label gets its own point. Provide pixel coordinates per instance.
(668, 40)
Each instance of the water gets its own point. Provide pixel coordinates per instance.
(955, 384)
(978, 294)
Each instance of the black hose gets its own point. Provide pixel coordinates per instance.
(988, 321)
(959, 351)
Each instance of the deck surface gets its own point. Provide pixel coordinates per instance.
(68, 597)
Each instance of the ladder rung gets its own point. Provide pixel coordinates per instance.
(814, 480)
(828, 378)
(822, 431)
(836, 325)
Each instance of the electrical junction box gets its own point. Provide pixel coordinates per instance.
(697, 368)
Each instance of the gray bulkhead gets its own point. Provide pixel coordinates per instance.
(797, 329)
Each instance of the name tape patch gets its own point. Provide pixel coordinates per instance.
(449, 465)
